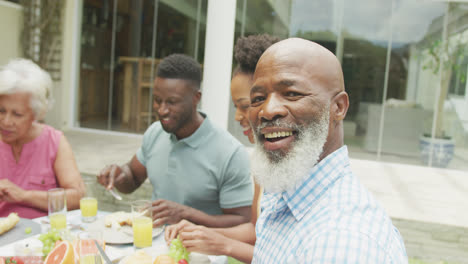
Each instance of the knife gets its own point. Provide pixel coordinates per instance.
(103, 253)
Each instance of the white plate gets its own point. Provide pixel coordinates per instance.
(18, 231)
(124, 235)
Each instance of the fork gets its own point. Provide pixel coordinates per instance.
(115, 194)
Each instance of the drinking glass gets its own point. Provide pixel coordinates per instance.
(57, 204)
(87, 250)
(89, 203)
(142, 222)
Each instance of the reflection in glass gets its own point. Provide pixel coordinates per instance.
(383, 47)
(121, 44)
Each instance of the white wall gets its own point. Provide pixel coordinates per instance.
(10, 26)
(65, 93)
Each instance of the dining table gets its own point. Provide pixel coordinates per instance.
(115, 252)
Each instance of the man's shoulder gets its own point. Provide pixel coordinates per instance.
(222, 137)
(351, 212)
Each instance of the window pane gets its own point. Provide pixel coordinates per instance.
(120, 99)
(360, 33)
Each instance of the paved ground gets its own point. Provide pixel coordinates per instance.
(433, 200)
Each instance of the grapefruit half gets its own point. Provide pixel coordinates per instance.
(63, 253)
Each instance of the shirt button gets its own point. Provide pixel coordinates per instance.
(42, 182)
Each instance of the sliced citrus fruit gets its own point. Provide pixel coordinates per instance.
(87, 246)
(62, 253)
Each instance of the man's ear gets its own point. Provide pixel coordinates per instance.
(340, 105)
(197, 97)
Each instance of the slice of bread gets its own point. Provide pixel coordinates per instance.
(9, 222)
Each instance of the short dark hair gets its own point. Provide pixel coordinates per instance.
(248, 50)
(180, 66)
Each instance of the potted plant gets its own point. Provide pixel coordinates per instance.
(443, 59)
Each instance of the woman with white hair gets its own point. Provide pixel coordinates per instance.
(34, 157)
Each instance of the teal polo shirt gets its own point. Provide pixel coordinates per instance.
(208, 170)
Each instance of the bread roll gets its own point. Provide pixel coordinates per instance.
(164, 259)
(8, 223)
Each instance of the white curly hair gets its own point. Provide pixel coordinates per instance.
(23, 75)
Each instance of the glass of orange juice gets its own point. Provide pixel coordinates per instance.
(142, 223)
(57, 204)
(89, 203)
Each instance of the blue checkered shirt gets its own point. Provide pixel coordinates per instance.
(329, 217)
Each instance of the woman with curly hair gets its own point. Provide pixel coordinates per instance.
(237, 242)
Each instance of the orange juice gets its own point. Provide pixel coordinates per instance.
(142, 232)
(58, 220)
(88, 206)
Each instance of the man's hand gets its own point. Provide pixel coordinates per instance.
(204, 240)
(173, 230)
(167, 212)
(10, 192)
(112, 173)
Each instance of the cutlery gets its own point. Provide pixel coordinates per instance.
(103, 253)
(115, 194)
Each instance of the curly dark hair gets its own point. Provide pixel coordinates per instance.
(180, 66)
(248, 50)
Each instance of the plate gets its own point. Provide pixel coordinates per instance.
(124, 235)
(17, 232)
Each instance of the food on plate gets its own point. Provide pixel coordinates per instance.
(27, 230)
(164, 259)
(177, 250)
(140, 256)
(49, 240)
(63, 253)
(182, 261)
(118, 219)
(8, 223)
(13, 260)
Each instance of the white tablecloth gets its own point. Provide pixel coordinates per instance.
(115, 252)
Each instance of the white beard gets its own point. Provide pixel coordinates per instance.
(277, 172)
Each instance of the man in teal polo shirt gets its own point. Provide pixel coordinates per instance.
(198, 171)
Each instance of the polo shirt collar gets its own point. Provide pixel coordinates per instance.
(199, 135)
(307, 193)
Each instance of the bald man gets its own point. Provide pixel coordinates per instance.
(314, 209)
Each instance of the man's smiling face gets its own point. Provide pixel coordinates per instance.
(285, 99)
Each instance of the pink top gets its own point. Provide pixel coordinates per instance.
(34, 170)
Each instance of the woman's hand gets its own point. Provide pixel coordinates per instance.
(205, 240)
(11, 192)
(173, 230)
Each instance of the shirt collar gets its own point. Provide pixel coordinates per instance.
(309, 191)
(199, 135)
